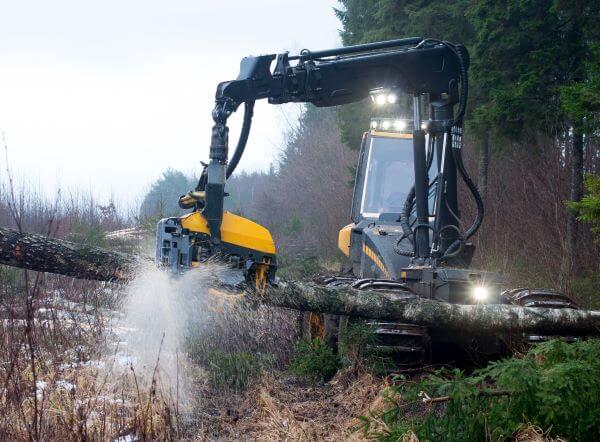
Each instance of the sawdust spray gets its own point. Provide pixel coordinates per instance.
(158, 309)
(167, 317)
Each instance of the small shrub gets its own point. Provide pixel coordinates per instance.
(588, 209)
(555, 386)
(11, 283)
(233, 371)
(293, 225)
(315, 360)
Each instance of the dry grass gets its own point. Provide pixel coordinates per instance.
(56, 380)
(279, 407)
(531, 433)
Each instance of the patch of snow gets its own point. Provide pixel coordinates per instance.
(65, 385)
(125, 360)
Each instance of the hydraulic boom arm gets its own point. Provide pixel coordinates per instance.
(334, 77)
(345, 75)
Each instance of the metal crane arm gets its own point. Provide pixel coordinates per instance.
(328, 78)
(345, 75)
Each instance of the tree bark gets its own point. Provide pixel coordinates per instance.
(472, 319)
(484, 163)
(43, 254)
(576, 193)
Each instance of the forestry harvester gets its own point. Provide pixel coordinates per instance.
(406, 234)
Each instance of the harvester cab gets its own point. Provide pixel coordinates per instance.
(384, 177)
(376, 242)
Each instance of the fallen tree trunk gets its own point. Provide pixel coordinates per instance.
(37, 252)
(43, 254)
(470, 319)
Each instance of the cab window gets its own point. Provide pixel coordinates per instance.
(389, 175)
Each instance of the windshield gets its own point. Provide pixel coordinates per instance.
(389, 175)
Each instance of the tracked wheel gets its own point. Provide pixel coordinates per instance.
(404, 344)
(525, 297)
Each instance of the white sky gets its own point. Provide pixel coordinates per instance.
(103, 96)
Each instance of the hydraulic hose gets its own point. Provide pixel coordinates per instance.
(407, 208)
(464, 85)
(405, 224)
(239, 149)
(457, 245)
(243, 139)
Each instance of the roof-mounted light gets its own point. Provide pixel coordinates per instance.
(391, 124)
(383, 97)
(400, 125)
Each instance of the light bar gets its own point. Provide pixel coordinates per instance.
(400, 125)
(382, 97)
(391, 124)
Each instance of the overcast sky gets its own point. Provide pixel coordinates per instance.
(103, 96)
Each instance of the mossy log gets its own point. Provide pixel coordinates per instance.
(469, 319)
(43, 254)
(39, 253)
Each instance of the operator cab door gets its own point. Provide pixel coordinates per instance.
(384, 177)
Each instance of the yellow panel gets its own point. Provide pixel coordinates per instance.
(378, 133)
(195, 222)
(344, 239)
(235, 230)
(375, 258)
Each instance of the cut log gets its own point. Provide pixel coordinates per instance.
(37, 252)
(456, 318)
(43, 254)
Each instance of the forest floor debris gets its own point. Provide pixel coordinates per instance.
(284, 407)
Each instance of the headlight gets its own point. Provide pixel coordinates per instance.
(480, 293)
(373, 124)
(385, 125)
(392, 98)
(380, 99)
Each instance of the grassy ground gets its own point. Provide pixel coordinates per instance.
(283, 407)
(66, 373)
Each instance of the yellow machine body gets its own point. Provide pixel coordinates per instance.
(235, 230)
(183, 243)
(344, 239)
